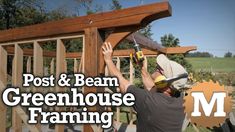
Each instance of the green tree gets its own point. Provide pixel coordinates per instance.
(116, 5)
(15, 13)
(147, 31)
(18, 13)
(7, 12)
(228, 55)
(170, 41)
(199, 54)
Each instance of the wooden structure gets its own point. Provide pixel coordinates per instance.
(94, 29)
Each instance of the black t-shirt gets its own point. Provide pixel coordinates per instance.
(157, 112)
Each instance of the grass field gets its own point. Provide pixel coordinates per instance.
(213, 64)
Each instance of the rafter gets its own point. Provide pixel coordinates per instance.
(141, 15)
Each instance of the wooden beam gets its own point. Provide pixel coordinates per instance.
(3, 81)
(179, 50)
(52, 72)
(92, 47)
(52, 66)
(37, 59)
(73, 55)
(3, 66)
(46, 39)
(2, 108)
(81, 67)
(37, 68)
(28, 70)
(131, 72)
(24, 118)
(154, 46)
(115, 38)
(51, 54)
(75, 65)
(37, 63)
(29, 64)
(29, 52)
(66, 66)
(141, 15)
(126, 52)
(60, 68)
(17, 81)
(18, 115)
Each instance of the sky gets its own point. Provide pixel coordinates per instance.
(207, 24)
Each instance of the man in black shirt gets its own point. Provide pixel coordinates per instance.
(158, 109)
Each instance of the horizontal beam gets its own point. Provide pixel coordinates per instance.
(126, 52)
(47, 39)
(153, 45)
(52, 54)
(179, 50)
(141, 16)
(119, 53)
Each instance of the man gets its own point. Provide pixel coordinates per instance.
(158, 110)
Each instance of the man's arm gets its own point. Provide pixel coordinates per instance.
(147, 80)
(107, 51)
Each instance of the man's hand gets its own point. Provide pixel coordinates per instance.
(107, 51)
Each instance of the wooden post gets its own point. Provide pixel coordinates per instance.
(37, 68)
(81, 67)
(17, 81)
(3, 110)
(24, 117)
(18, 113)
(3, 66)
(132, 70)
(75, 65)
(118, 65)
(52, 72)
(60, 68)
(66, 66)
(52, 66)
(29, 65)
(93, 43)
(3, 81)
(38, 59)
(37, 62)
(46, 71)
(28, 70)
